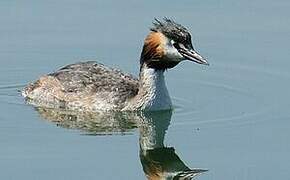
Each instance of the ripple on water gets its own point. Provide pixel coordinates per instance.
(10, 94)
(210, 109)
(227, 99)
(222, 99)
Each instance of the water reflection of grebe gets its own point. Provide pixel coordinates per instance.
(158, 161)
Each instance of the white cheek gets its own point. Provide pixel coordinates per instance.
(171, 52)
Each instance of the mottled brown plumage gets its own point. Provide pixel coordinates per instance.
(77, 84)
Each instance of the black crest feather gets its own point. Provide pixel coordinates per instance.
(171, 29)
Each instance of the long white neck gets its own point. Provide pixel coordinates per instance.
(153, 94)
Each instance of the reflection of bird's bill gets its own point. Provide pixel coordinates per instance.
(164, 163)
(190, 174)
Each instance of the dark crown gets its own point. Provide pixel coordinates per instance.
(172, 30)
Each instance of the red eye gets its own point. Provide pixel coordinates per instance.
(176, 45)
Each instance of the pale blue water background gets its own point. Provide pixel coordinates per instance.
(231, 117)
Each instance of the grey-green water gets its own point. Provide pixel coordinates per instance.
(231, 118)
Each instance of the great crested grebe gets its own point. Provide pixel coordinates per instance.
(91, 86)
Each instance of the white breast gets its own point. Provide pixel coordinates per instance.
(155, 95)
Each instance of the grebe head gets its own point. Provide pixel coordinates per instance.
(168, 44)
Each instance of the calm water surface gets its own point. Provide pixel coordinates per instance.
(231, 118)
